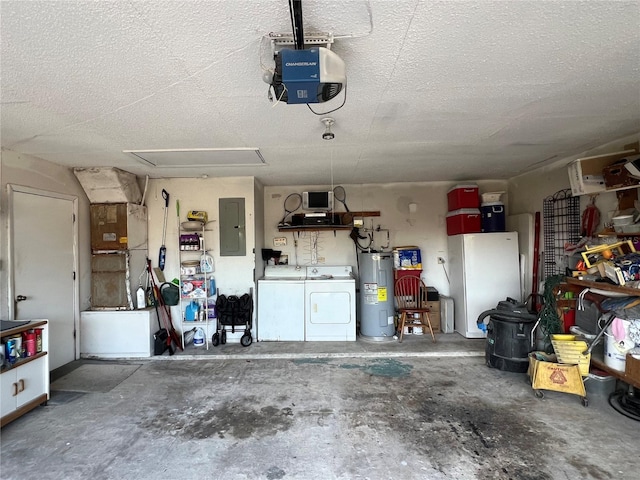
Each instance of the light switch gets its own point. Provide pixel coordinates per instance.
(280, 241)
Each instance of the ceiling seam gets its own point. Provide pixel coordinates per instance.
(386, 87)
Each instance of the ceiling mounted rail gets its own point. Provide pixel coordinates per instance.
(295, 10)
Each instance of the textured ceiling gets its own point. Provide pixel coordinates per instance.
(437, 91)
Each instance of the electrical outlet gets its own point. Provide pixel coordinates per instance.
(280, 241)
(441, 260)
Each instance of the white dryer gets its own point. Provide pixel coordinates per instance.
(330, 303)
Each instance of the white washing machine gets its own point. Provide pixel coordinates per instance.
(281, 304)
(330, 303)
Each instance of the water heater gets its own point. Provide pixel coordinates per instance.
(376, 301)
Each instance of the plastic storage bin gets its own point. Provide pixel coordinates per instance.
(463, 196)
(465, 220)
(446, 314)
(493, 217)
(600, 383)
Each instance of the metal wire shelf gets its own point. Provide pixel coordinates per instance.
(561, 217)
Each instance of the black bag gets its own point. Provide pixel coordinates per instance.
(160, 341)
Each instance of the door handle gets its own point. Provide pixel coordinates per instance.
(21, 385)
(21, 298)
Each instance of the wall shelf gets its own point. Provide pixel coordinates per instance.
(611, 233)
(313, 228)
(597, 360)
(342, 221)
(632, 292)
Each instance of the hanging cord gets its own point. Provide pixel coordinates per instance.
(331, 153)
(549, 320)
(344, 100)
(143, 273)
(446, 274)
(356, 237)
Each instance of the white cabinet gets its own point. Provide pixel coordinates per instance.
(121, 334)
(197, 288)
(25, 384)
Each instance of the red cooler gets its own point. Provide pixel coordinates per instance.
(463, 196)
(465, 220)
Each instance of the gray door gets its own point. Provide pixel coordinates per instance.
(43, 238)
(232, 228)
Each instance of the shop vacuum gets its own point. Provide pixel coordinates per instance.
(509, 335)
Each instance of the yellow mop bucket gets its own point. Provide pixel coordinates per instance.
(569, 350)
(546, 374)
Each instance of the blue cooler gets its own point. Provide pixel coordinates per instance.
(493, 217)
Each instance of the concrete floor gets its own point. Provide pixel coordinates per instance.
(315, 411)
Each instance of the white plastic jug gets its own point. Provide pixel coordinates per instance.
(198, 338)
(141, 301)
(206, 264)
(615, 352)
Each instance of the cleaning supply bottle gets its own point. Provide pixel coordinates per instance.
(191, 311)
(141, 299)
(198, 338)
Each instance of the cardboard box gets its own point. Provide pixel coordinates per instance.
(617, 176)
(434, 315)
(407, 258)
(586, 174)
(463, 196)
(466, 220)
(118, 226)
(632, 368)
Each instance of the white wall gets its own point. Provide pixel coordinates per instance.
(259, 228)
(25, 170)
(234, 275)
(426, 228)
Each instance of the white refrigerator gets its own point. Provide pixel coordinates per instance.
(484, 269)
